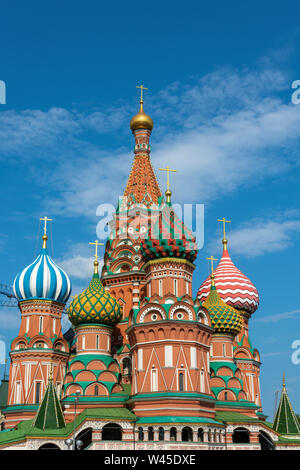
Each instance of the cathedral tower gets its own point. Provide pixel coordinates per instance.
(123, 271)
(42, 290)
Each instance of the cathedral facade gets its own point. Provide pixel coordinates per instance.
(145, 365)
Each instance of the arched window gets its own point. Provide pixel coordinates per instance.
(150, 434)
(187, 434)
(161, 434)
(241, 436)
(173, 434)
(200, 435)
(181, 381)
(96, 390)
(141, 434)
(112, 432)
(41, 324)
(37, 392)
(49, 446)
(126, 366)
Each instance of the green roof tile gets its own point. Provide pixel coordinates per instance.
(285, 421)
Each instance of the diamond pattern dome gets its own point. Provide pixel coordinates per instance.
(224, 319)
(94, 305)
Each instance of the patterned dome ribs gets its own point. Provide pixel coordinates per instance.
(233, 286)
(169, 237)
(224, 318)
(94, 305)
(42, 279)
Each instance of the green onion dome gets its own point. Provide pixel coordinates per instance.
(94, 305)
(224, 318)
(169, 237)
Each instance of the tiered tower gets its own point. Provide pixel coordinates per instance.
(237, 291)
(93, 376)
(225, 378)
(169, 335)
(123, 271)
(42, 289)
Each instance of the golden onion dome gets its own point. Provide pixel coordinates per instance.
(141, 120)
(224, 318)
(94, 305)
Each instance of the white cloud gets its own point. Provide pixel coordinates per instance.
(261, 236)
(230, 127)
(291, 315)
(225, 130)
(78, 263)
(77, 266)
(276, 353)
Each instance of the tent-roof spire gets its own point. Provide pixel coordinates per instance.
(286, 421)
(50, 415)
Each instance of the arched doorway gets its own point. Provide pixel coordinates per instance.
(112, 432)
(84, 439)
(140, 434)
(150, 434)
(187, 434)
(200, 435)
(161, 434)
(266, 442)
(49, 446)
(241, 436)
(173, 434)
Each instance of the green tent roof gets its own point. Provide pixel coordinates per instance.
(49, 415)
(285, 421)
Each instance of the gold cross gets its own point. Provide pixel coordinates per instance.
(142, 88)
(212, 259)
(45, 219)
(224, 225)
(167, 169)
(96, 243)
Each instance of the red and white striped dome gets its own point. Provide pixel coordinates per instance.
(233, 286)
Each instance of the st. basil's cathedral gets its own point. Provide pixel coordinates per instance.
(145, 365)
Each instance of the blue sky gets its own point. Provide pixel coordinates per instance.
(219, 79)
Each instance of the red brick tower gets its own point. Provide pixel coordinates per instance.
(237, 291)
(123, 271)
(42, 289)
(168, 334)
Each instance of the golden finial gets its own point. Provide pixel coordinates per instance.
(168, 192)
(224, 241)
(96, 263)
(50, 377)
(283, 383)
(212, 259)
(141, 120)
(45, 237)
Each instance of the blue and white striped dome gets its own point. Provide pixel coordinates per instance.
(42, 279)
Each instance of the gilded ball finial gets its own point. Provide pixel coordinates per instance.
(45, 238)
(141, 120)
